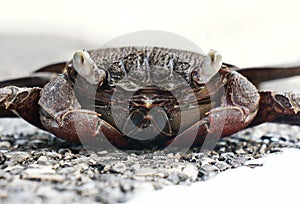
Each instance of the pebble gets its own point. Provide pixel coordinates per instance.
(53, 155)
(18, 155)
(106, 168)
(39, 170)
(92, 162)
(44, 177)
(5, 177)
(222, 166)
(145, 171)
(191, 171)
(174, 177)
(119, 167)
(3, 194)
(43, 160)
(4, 144)
(240, 151)
(2, 158)
(14, 169)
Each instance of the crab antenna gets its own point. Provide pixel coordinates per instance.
(87, 68)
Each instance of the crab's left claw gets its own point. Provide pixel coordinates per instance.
(23, 102)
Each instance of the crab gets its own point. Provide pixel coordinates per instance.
(141, 97)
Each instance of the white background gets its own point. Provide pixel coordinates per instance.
(246, 32)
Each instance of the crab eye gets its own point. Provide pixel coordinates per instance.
(78, 57)
(215, 56)
(87, 68)
(209, 67)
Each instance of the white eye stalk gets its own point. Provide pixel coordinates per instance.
(87, 68)
(210, 65)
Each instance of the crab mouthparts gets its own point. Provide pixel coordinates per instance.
(144, 124)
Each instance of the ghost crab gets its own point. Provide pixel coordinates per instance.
(76, 100)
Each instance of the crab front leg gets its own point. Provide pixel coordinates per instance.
(258, 75)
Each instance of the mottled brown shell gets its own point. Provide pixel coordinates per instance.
(127, 66)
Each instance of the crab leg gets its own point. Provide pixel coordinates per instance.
(261, 74)
(278, 107)
(20, 101)
(32, 81)
(9, 90)
(39, 78)
(53, 68)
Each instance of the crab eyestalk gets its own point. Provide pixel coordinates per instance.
(209, 67)
(87, 68)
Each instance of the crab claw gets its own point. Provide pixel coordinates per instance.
(87, 68)
(209, 67)
(22, 102)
